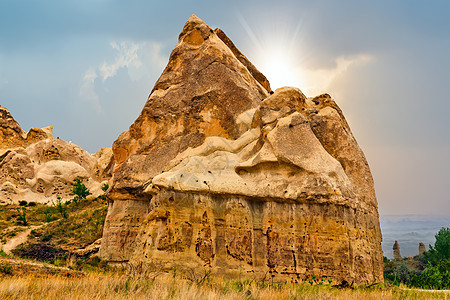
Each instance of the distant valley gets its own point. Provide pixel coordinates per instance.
(409, 231)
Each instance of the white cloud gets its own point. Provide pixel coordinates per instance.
(140, 60)
(319, 80)
(128, 55)
(284, 70)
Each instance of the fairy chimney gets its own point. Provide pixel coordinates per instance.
(396, 248)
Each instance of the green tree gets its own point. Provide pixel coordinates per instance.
(441, 249)
(80, 190)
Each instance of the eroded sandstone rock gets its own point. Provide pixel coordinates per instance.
(13, 136)
(36, 167)
(396, 250)
(217, 173)
(422, 248)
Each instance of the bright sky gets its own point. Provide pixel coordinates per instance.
(87, 66)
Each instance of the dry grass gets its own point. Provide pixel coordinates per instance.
(166, 286)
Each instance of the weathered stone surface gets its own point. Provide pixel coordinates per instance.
(422, 248)
(241, 57)
(200, 93)
(90, 250)
(12, 135)
(396, 250)
(103, 166)
(36, 167)
(241, 182)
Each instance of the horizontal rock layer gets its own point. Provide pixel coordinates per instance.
(241, 236)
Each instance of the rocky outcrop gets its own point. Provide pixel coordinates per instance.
(396, 250)
(217, 172)
(36, 167)
(422, 248)
(13, 136)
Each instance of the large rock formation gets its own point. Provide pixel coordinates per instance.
(217, 172)
(36, 167)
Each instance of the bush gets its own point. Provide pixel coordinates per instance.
(49, 214)
(433, 277)
(22, 217)
(397, 272)
(39, 251)
(80, 190)
(6, 269)
(23, 203)
(105, 187)
(60, 207)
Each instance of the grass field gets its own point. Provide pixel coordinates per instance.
(165, 286)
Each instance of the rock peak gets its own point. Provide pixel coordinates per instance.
(192, 23)
(194, 19)
(12, 135)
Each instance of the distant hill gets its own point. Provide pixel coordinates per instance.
(409, 231)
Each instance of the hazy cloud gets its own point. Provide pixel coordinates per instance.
(139, 59)
(317, 81)
(127, 55)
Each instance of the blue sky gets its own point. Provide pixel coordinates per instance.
(87, 67)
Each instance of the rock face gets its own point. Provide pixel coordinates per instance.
(396, 249)
(12, 135)
(422, 248)
(36, 167)
(219, 173)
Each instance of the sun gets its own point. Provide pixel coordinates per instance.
(280, 70)
(276, 52)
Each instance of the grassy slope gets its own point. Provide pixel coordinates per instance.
(83, 225)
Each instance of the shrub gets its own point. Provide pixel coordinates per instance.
(49, 214)
(60, 207)
(23, 203)
(80, 190)
(3, 253)
(105, 187)
(433, 277)
(22, 217)
(39, 251)
(6, 269)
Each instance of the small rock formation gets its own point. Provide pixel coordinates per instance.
(90, 250)
(396, 249)
(422, 248)
(13, 136)
(217, 172)
(36, 167)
